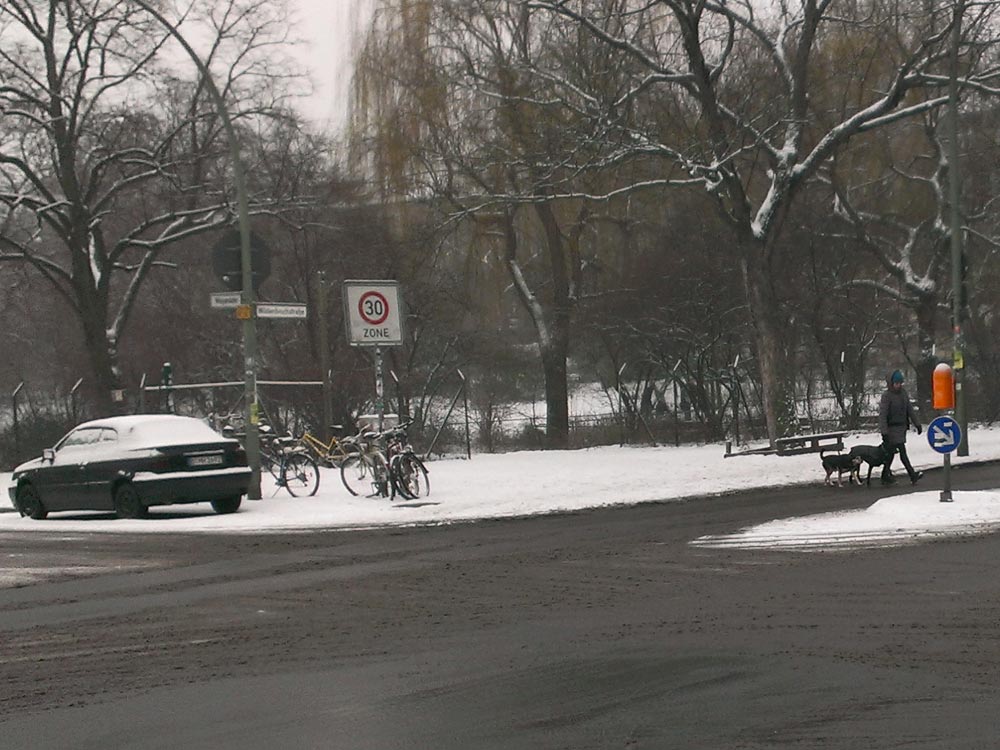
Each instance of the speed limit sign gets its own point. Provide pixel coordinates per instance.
(372, 313)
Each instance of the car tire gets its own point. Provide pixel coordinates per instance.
(29, 503)
(128, 504)
(227, 504)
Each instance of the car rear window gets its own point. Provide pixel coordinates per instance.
(172, 431)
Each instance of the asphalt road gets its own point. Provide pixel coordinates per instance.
(603, 629)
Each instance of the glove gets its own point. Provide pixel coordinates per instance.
(919, 429)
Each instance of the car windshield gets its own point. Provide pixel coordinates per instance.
(82, 436)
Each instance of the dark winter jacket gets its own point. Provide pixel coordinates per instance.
(896, 414)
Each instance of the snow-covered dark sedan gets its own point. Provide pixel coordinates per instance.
(127, 464)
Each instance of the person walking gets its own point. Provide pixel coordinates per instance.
(895, 416)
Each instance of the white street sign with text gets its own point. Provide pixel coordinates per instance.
(225, 300)
(280, 310)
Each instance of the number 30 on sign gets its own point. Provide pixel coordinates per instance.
(372, 312)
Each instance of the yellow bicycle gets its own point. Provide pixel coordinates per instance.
(331, 454)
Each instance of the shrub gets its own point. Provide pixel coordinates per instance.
(34, 433)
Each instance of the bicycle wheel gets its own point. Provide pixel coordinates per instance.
(410, 476)
(381, 478)
(271, 464)
(301, 475)
(341, 453)
(396, 477)
(356, 475)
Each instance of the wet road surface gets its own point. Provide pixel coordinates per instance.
(601, 629)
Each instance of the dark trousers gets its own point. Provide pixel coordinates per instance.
(892, 449)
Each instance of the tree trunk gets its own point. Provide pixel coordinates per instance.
(104, 363)
(555, 353)
(777, 376)
(555, 346)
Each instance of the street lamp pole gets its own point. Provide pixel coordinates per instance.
(247, 295)
(957, 280)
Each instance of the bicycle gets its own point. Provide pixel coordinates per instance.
(290, 465)
(370, 468)
(407, 471)
(394, 470)
(331, 454)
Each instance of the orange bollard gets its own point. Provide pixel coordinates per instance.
(943, 387)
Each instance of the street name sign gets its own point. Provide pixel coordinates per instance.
(372, 312)
(225, 300)
(281, 310)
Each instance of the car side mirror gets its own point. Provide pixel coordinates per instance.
(48, 454)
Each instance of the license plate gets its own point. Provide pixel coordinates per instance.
(205, 460)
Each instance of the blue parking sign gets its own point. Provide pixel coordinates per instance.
(944, 434)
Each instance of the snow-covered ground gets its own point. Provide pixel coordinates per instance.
(528, 483)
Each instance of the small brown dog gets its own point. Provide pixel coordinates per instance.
(842, 464)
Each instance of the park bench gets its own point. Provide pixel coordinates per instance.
(821, 441)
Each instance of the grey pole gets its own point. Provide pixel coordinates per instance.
(677, 427)
(323, 334)
(243, 213)
(379, 390)
(72, 398)
(16, 424)
(465, 404)
(956, 231)
(621, 404)
(736, 400)
(946, 496)
(400, 411)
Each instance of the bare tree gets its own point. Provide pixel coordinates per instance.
(107, 158)
(908, 236)
(449, 111)
(755, 111)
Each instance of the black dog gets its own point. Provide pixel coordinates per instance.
(873, 455)
(841, 463)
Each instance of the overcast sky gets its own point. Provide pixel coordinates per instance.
(330, 30)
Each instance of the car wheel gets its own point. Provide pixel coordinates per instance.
(128, 504)
(29, 503)
(227, 504)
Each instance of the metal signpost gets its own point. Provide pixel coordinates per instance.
(247, 310)
(246, 263)
(944, 436)
(374, 319)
